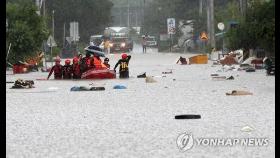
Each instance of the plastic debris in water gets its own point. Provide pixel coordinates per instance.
(150, 79)
(230, 78)
(119, 87)
(53, 88)
(247, 129)
(142, 75)
(214, 74)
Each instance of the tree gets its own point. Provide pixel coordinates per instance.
(26, 30)
(92, 15)
(257, 30)
(157, 12)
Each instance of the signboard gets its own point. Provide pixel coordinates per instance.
(163, 37)
(51, 42)
(171, 26)
(74, 31)
(69, 39)
(203, 36)
(221, 26)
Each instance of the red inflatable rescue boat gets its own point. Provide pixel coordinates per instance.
(20, 68)
(99, 73)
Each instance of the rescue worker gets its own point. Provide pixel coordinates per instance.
(124, 71)
(57, 69)
(85, 62)
(182, 60)
(67, 70)
(268, 66)
(76, 69)
(96, 62)
(80, 57)
(106, 63)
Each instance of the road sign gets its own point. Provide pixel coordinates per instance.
(203, 36)
(51, 42)
(69, 39)
(171, 26)
(221, 26)
(74, 31)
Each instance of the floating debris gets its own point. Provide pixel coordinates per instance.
(150, 79)
(247, 129)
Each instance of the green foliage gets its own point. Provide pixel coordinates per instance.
(82, 46)
(56, 51)
(157, 12)
(258, 29)
(226, 13)
(26, 30)
(93, 16)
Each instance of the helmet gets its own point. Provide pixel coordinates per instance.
(67, 62)
(106, 59)
(75, 60)
(124, 56)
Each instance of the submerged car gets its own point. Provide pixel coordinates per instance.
(123, 44)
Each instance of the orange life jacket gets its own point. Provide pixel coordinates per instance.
(98, 63)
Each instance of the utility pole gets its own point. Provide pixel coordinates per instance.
(120, 17)
(136, 23)
(63, 35)
(53, 23)
(243, 7)
(44, 8)
(212, 25)
(200, 7)
(44, 42)
(127, 13)
(210, 22)
(143, 23)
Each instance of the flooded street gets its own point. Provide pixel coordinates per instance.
(52, 121)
